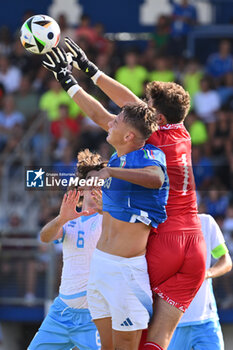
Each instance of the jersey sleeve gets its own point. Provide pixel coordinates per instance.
(218, 246)
(60, 240)
(149, 157)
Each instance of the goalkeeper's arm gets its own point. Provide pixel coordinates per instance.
(57, 62)
(117, 92)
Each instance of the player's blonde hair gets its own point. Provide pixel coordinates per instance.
(88, 161)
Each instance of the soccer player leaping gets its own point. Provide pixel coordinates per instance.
(134, 198)
(68, 322)
(176, 252)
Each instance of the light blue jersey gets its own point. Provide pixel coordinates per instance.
(69, 322)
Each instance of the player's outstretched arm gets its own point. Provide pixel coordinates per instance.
(148, 177)
(53, 230)
(93, 109)
(221, 267)
(117, 92)
(57, 62)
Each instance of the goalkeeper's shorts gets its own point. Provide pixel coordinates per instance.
(176, 265)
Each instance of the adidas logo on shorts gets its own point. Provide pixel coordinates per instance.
(127, 322)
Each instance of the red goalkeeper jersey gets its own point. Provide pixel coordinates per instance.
(174, 140)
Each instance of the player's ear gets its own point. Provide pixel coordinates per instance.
(161, 119)
(129, 136)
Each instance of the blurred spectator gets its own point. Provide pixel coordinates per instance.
(92, 136)
(10, 118)
(22, 266)
(53, 98)
(27, 63)
(184, 17)
(14, 137)
(228, 223)
(162, 70)
(114, 55)
(160, 37)
(10, 76)
(65, 126)
(41, 147)
(216, 202)
(104, 64)
(11, 126)
(85, 31)
(206, 104)
(192, 77)
(220, 62)
(101, 43)
(197, 129)
(148, 58)
(2, 94)
(222, 140)
(225, 90)
(132, 74)
(202, 208)
(66, 30)
(203, 168)
(26, 14)
(67, 164)
(179, 67)
(5, 41)
(26, 100)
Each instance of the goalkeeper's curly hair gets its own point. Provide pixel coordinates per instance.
(169, 99)
(141, 117)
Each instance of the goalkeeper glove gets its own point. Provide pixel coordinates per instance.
(81, 62)
(57, 62)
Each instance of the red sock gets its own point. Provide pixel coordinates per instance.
(151, 346)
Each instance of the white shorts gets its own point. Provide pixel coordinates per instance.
(119, 288)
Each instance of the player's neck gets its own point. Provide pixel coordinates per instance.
(163, 122)
(124, 149)
(88, 204)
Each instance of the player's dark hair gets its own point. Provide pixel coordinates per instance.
(169, 99)
(141, 117)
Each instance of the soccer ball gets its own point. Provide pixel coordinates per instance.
(39, 34)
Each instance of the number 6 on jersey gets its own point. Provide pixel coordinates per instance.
(80, 240)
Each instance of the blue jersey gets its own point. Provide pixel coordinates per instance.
(133, 203)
